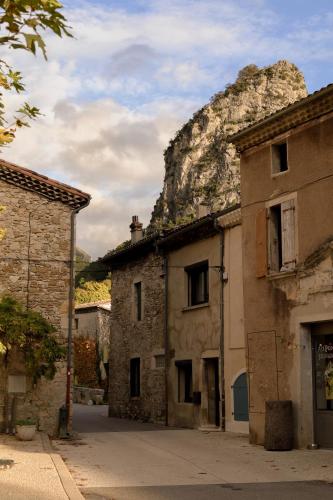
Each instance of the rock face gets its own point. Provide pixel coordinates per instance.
(201, 168)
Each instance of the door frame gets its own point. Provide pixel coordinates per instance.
(314, 388)
(301, 374)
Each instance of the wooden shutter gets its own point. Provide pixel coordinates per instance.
(288, 235)
(261, 243)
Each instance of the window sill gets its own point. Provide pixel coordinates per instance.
(197, 306)
(277, 174)
(281, 275)
(135, 398)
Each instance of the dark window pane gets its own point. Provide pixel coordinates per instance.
(185, 387)
(138, 300)
(198, 284)
(323, 353)
(279, 158)
(135, 377)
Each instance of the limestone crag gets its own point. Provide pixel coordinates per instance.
(201, 167)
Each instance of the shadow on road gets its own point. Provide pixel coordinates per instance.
(89, 419)
(248, 491)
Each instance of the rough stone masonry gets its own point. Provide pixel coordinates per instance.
(35, 241)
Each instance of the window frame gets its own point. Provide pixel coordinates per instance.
(138, 310)
(286, 255)
(192, 272)
(275, 154)
(185, 381)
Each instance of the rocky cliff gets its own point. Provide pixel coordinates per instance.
(201, 168)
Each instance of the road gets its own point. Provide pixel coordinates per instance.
(123, 460)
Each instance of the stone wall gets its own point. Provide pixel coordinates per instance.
(131, 338)
(91, 347)
(35, 269)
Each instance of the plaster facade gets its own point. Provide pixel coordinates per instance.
(210, 335)
(283, 308)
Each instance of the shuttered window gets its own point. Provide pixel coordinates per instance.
(261, 239)
(288, 235)
(281, 237)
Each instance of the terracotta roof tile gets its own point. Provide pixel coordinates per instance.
(49, 188)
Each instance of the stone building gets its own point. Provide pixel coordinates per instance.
(287, 186)
(91, 345)
(177, 325)
(137, 376)
(37, 219)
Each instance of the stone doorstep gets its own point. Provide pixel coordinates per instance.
(209, 428)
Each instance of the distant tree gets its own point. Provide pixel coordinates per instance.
(92, 271)
(92, 291)
(21, 25)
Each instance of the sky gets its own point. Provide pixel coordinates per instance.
(113, 96)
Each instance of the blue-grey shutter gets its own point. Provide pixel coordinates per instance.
(241, 405)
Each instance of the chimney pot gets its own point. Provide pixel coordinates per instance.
(136, 229)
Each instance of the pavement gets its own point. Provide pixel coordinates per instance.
(125, 460)
(36, 472)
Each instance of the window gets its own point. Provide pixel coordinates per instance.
(159, 361)
(197, 284)
(135, 377)
(138, 300)
(76, 323)
(279, 158)
(276, 238)
(185, 389)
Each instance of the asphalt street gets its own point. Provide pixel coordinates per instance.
(124, 460)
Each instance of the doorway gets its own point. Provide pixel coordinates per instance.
(213, 393)
(322, 349)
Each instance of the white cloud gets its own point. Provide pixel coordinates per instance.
(108, 150)
(115, 94)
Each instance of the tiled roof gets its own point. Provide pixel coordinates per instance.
(102, 304)
(313, 106)
(49, 188)
(168, 238)
(146, 241)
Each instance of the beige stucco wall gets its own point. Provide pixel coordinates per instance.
(191, 331)
(234, 335)
(195, 332)
(35, 269)
(275, 309)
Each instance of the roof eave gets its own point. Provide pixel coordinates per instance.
(313, 106)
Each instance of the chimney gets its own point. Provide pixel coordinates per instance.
(136, 229)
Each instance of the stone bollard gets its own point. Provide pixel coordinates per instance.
(278, 426)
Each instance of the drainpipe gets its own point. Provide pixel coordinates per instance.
(70, 314)
(70, 320)
(222, 397)
(166, 336)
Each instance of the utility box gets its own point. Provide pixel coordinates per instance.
(17, 384)
(278, 426)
